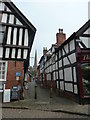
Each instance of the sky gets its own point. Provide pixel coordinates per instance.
(50, 15)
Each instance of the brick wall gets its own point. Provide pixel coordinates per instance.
(49, 83)
(13, 67)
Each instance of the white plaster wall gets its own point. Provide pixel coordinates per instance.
(72, 58)
(25, 54)
(75, 89)
(69, 87)
(20, 36)
(15, 36)
(68, 74)
(11, 19)
(7, 52)
(75, 78)
(66, 48)
(72, 45)
(4, 18)
(66, 62)
(26, 38)
(57, 84)
(9, 35)
(13, 53)
(1, 52)
(62, 85)
(61, 74)
(60, 63)
(19, 53)
(18, 22)
(2, 6)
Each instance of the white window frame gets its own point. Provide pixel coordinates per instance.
(5, 71)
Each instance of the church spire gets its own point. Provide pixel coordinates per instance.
(35, 64)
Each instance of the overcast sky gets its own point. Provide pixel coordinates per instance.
(50, 15)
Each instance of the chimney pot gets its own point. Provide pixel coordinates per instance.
(61, 30)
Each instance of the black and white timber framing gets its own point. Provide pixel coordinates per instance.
(65, 64)
(16, 33)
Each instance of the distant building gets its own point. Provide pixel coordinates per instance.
(16, 40)
(68, 66)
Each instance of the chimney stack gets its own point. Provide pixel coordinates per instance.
(44, 50)
(60, 37)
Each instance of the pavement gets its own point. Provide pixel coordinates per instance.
(45, 103)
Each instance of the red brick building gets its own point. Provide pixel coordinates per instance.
(16, 40)
(12, 68)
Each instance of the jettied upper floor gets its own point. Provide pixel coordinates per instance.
(16, 33)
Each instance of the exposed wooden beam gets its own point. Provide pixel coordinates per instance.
(85, 35)
(18, 46)
(13, 25)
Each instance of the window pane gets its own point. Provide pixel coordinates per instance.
(85, 67)
(3, 64)
(3, 77)
(2, 70)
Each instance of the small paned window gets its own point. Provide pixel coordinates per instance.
(2, 70)
(1, 33)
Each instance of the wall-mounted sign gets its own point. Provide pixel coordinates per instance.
(17, 78)
(17, 74)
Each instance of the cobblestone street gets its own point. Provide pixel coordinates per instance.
(43, 106)
(19, 113)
